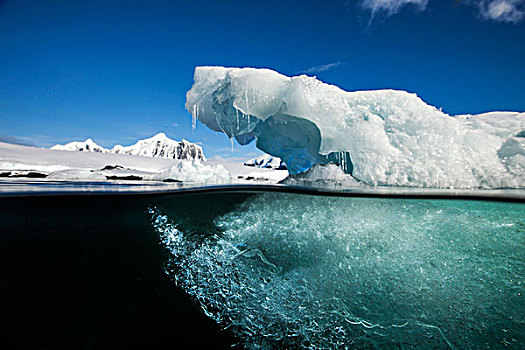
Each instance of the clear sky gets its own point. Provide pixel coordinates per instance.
(118, 71)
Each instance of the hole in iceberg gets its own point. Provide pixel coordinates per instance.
(297, 142)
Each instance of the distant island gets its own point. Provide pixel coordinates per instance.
(158, 146)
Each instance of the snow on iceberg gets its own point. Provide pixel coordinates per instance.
(266, 161)
(383, 137)
(193, 172)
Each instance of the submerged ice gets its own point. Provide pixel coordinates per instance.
(382, 137)
(295, 271)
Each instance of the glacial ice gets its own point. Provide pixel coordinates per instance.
(295, 271)
(328, 175)
(383, 137)
(194, 172)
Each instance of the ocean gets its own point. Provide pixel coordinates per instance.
(273, 267)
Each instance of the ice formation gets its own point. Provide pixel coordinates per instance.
(194, 172)
(295, 271)
(328, 175)
(384, 137)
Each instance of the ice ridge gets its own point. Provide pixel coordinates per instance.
(383, 137)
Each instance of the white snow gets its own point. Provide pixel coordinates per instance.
(243, 174)
(162, 146)
(266, 161)
(275, 176)
(87, 146)
(89, 166)
(158, 146)
(391, 137)
(15, 157)
(194, 172)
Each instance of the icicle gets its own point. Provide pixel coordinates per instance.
(246, 99)
(194, 117)
(231, 140)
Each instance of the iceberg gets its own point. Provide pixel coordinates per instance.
(323, 176)
(193, 172)
(383, 137)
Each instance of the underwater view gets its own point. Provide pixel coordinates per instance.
(263, 269)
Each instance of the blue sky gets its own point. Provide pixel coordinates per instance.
(117, 71)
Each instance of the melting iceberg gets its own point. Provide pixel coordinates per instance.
(384, 137)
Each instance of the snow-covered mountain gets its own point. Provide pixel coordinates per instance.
(266, 161)
(161, 146)
(87, 146)
(158, 146)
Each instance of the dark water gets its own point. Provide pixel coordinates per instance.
(85, 272)
(261, 270)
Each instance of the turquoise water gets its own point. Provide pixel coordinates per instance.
(317, 272)
(266, 270)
